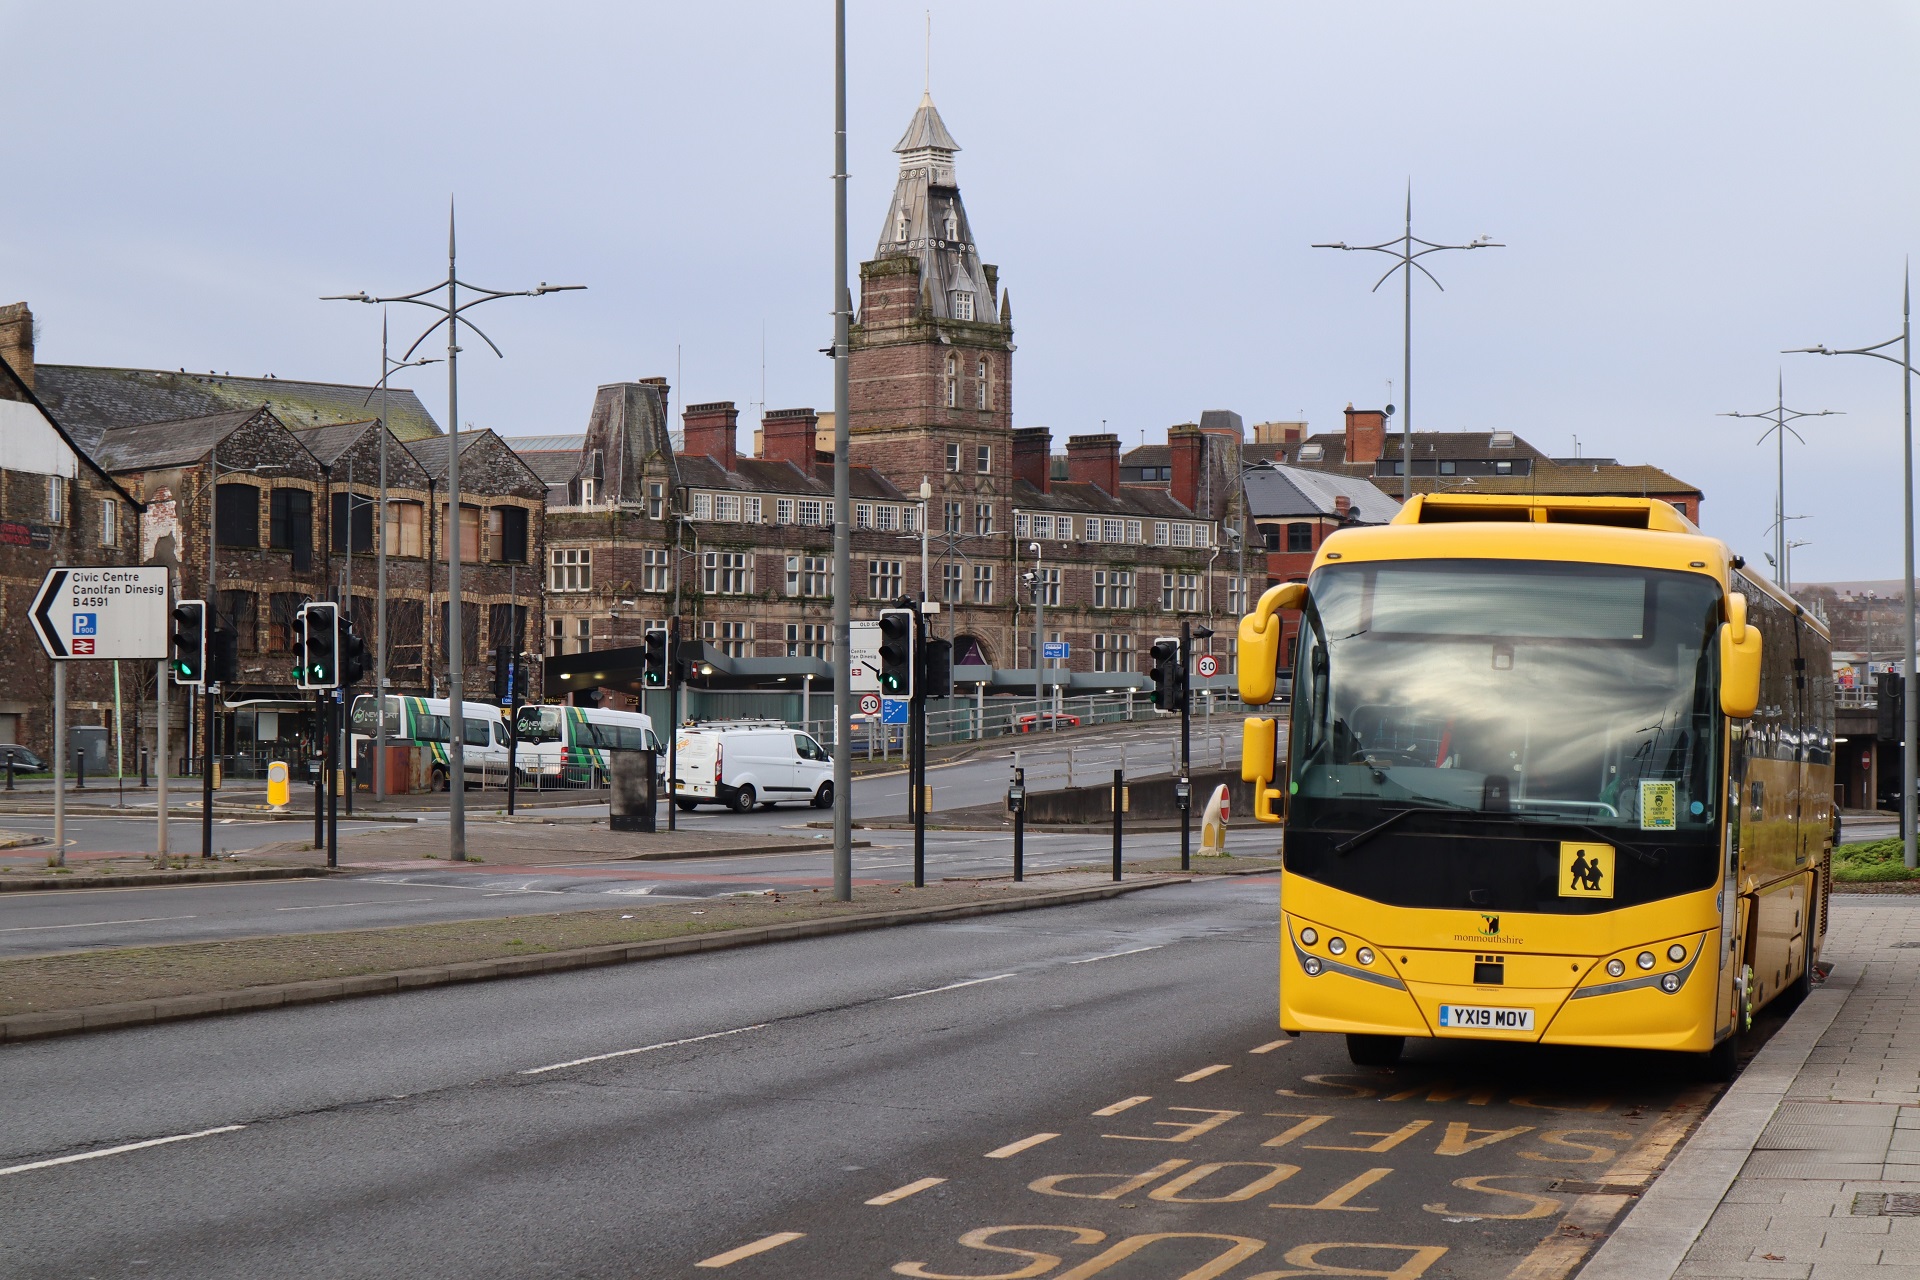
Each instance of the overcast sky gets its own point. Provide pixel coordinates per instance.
(1684, 189)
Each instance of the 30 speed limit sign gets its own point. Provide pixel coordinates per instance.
(1207, 665)
(869, 704)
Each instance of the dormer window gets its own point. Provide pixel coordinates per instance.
(952, 224)
(900, 226)
(963, 304)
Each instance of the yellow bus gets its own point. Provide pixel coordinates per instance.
(1555, 770)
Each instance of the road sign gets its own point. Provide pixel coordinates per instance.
(863, 653)
(1055, 649)
(1207, 665)
(893, 711)
(103, 612)
(869, 704)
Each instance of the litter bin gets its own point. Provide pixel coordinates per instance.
(633, 793)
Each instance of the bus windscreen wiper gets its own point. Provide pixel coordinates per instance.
(1652, 857)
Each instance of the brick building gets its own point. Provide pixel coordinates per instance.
(744, 544)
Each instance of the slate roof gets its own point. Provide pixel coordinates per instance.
(431, 453)
(926, 130)
(1141, 501)
(1285, 492)
(566, 442)
(554, 467)
(328, 443)
(91, 400)
(763, 475)
(179, 443)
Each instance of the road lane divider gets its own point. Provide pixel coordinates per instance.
(762, 1245)
(1015, 1148)
(92, 924)
(1270, 1046)
(901, 1193)
(1116, 1108)
(1204, 1072)
(645, 1048)
(122, 1149)
(1115, 955)
(951, 986)
(369, 902)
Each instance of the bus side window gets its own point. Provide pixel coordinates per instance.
(476, 734)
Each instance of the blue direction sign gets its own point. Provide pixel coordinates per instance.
(893, 711)
(1055, 649)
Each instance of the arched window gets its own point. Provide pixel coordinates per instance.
(900, 225)
(980, 385)
(953, 382)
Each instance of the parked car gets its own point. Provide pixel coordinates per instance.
(1032, 723)
(24, 761)
(741, 765)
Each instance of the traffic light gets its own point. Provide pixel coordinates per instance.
(896, 652)
(223, 655)
(353, 653)
(937, 680)
(653, 663)
(190, 642)
(1169, 677)
(318, 660)
(503, 674)
(1890, 703)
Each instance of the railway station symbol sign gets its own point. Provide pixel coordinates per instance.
(105, 611)
(1586, 869)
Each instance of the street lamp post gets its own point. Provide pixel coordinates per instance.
(1910, 730)
(1407, 249)
(1780, 416)
(452, 312)
(842, 486)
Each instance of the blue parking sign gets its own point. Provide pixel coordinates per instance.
(85, 624)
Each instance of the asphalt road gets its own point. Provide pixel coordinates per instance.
(1096, 1089)
(136, 835)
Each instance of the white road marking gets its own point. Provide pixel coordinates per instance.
(114, 1151)
(645, 1048)
(92, 924)
(1115, 955)
(369, 902)
(951, 986)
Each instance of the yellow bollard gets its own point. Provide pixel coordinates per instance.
(1213, 827)
(277, 785)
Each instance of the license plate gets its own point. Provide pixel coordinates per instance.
(1471, 1017)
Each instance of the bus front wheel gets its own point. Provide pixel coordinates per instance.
(1375, 1051)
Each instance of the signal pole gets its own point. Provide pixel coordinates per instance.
(917, 729)
(1183, 786)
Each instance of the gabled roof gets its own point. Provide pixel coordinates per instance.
(566, 442)
(92, 400)
(179, 443)
(431, 453)
(14, 387)
(328, 443)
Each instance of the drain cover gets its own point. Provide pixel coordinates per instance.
(1886, 1204)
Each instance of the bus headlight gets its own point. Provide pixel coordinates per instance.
(1309, 935)
(1670, 983)
(1364, 955)
(1644, 959)
(1312, 965)
(1677, 952)
(1615, 968)
(1337, 945)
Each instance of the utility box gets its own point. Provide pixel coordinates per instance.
(633, 795)
(95, 743)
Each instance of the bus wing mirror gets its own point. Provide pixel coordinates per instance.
(1259, 765)
(1737, 615)
(1259, 650)
(1739, 668)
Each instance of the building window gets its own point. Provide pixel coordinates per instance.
(586, 491)
(950, 583)
(656, 570)
(1110, 531)
(1134, 534)
(1112, 652)
(1022, 524)
(953, 457)
(240, 610)
(1236, 595)
(57, 501)
(1182, 535)
(282, 609)
(727, 573)
(1161, 535)
(1448, 466)
(726, 506)
(1042, 527)
(886, 518)
(506, 530)
(883, 579)
(863, 515)
(729, 638)
(953, 391)
(1180, 592)
(910, 519)
(1112, 589)
(809, 640)
(810, 511)
(1093, 529)
(962, 304)
(900, 226)
(983, 517)
(818, 579)
(109, 523)
(953, 516)
(983, 457)
(570, 569)
(1047, 587)
(952, 224)
(1503, 468)
(983, 584)
(290, 524)
(656, 500)
(1299, 536)
(1063, 528)
(350, 520)
(703, 506)
(1203, 535)
(469, 531)
(557, 645)
(783, 511)
(583, 643)
(750, 510)
(980, 388)
(236, 515)
(406, 525)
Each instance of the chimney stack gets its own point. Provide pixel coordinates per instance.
(1095, 460)
(1033, 457)
(16, 339)
(1342, 505)
(787, 436)
(709, 431)
(1366, 435)
(1188, 445)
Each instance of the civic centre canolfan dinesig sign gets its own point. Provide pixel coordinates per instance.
(106, 612)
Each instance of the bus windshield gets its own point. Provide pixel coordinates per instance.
(1540, 692)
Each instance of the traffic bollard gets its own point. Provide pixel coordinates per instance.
(143, 769)
(80, 770)
(1017, 801)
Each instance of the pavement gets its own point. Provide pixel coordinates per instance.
(1081, 1090)
(1809, 1167)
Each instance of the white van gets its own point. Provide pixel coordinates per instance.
(744, 764)
(571, 742)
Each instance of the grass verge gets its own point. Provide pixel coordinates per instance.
(1871, 861)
